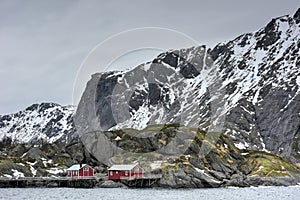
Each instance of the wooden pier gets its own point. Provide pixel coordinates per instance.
(86, 182)
(147, 180)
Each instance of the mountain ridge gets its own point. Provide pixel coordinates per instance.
(255, 75)
(241, 88)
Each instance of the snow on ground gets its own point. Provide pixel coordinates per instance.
(240, 145)
(199, 170)
(7, 176)
(46, 162)
(156, 164)
(118, 138)
(17, 174)
(33, 171)
(260, 167)
(55, 170)
(298, 81)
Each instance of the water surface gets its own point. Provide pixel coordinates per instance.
(252, 193)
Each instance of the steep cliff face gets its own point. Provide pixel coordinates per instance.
(265, 67)
(248, 88)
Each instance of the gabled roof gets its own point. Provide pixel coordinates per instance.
(122, 167)
(76, 167)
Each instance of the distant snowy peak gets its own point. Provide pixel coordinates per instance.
(45, 122)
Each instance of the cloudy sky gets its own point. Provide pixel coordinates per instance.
(43, 43)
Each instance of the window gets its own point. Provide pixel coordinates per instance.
(117, 172)
(111, 173)
(86, 169)
(126, 173)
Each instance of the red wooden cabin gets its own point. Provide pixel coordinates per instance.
(117, 172)
(80, 170)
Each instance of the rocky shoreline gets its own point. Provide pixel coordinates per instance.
(222, 165)
(235, 181)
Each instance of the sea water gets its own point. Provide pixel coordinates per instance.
(253, 193)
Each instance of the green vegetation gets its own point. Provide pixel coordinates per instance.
(267, 164)
(210, 151)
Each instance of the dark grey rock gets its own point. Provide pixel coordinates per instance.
(52, 184)
(111, 184)
(271, 181)
(35, 153)
(19, 150)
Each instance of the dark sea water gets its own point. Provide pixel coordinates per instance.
(260, 193)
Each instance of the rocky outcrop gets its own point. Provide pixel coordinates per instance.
(187, 157)
(18, 160)
(48, 182)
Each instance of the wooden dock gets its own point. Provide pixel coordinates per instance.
(86, 182)
(147, 180)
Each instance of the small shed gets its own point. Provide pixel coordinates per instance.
(117, 172)
(80, 170)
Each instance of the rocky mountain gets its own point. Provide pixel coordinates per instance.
(39, 123)
(247, 88)
(199, 117)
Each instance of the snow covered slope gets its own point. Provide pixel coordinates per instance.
(248, 88)
(45, 122)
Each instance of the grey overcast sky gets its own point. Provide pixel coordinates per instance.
(43, 43)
